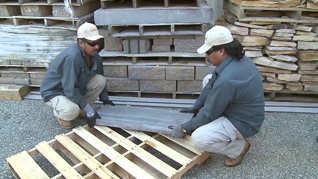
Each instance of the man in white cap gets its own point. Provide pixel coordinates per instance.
(75, 79)
(231, 105)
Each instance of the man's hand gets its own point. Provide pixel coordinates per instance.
(91, 118)
(177, 132)
(107, 101)
(190, 110)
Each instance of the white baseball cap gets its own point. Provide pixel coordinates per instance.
(217, 35)
(88, 31)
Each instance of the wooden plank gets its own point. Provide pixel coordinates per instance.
(176, 156)
(186, 142)
(198, 160)
(311, 5)
(26, 167)
(57, 161)
(85, 157)
(138, 151)
(13, 92)
(112, 154)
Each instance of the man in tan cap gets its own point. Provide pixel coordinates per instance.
(75, 79)
(231, 105)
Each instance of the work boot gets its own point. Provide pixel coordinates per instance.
(232, 162)
(65, 124)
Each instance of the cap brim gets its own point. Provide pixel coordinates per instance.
(93, 38)
(204, 48)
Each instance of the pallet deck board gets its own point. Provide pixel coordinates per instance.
(84, 157)
(171, 153)
(26, 167)
(104, 152)
(138, 151)
(57, 161)
(112, 154)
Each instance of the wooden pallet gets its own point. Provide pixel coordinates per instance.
(153, 58)
(292, 96)
(154, 3)
(104, 152)
(267, 3)
(42, 2)
(49, 21)
(272, 14)
(150, 30)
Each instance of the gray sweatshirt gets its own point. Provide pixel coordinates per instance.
(69, 75)
(235, 91)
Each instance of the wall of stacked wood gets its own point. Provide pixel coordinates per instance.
(282, 40)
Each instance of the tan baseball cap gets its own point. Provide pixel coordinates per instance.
(217, 35)
(88, 31)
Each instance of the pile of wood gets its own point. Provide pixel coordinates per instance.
(286, 54)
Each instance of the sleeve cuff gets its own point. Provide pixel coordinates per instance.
(82, 104)
(187, 126)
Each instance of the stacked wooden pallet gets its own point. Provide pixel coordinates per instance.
(266, 3)
(153, 49)
(283, 48)
(47, 13)
(32, 33)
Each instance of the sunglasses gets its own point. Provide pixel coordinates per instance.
(92, 44)
(210, 51)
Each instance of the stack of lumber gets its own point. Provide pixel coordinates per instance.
(153, 49)
(285, 52)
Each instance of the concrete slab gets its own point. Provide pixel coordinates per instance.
(138, 118)
(104, 17)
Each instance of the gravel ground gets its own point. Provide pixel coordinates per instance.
(286, 147)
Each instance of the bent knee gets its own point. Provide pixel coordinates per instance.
(69, 112)
(200, 139)
(100, 79)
